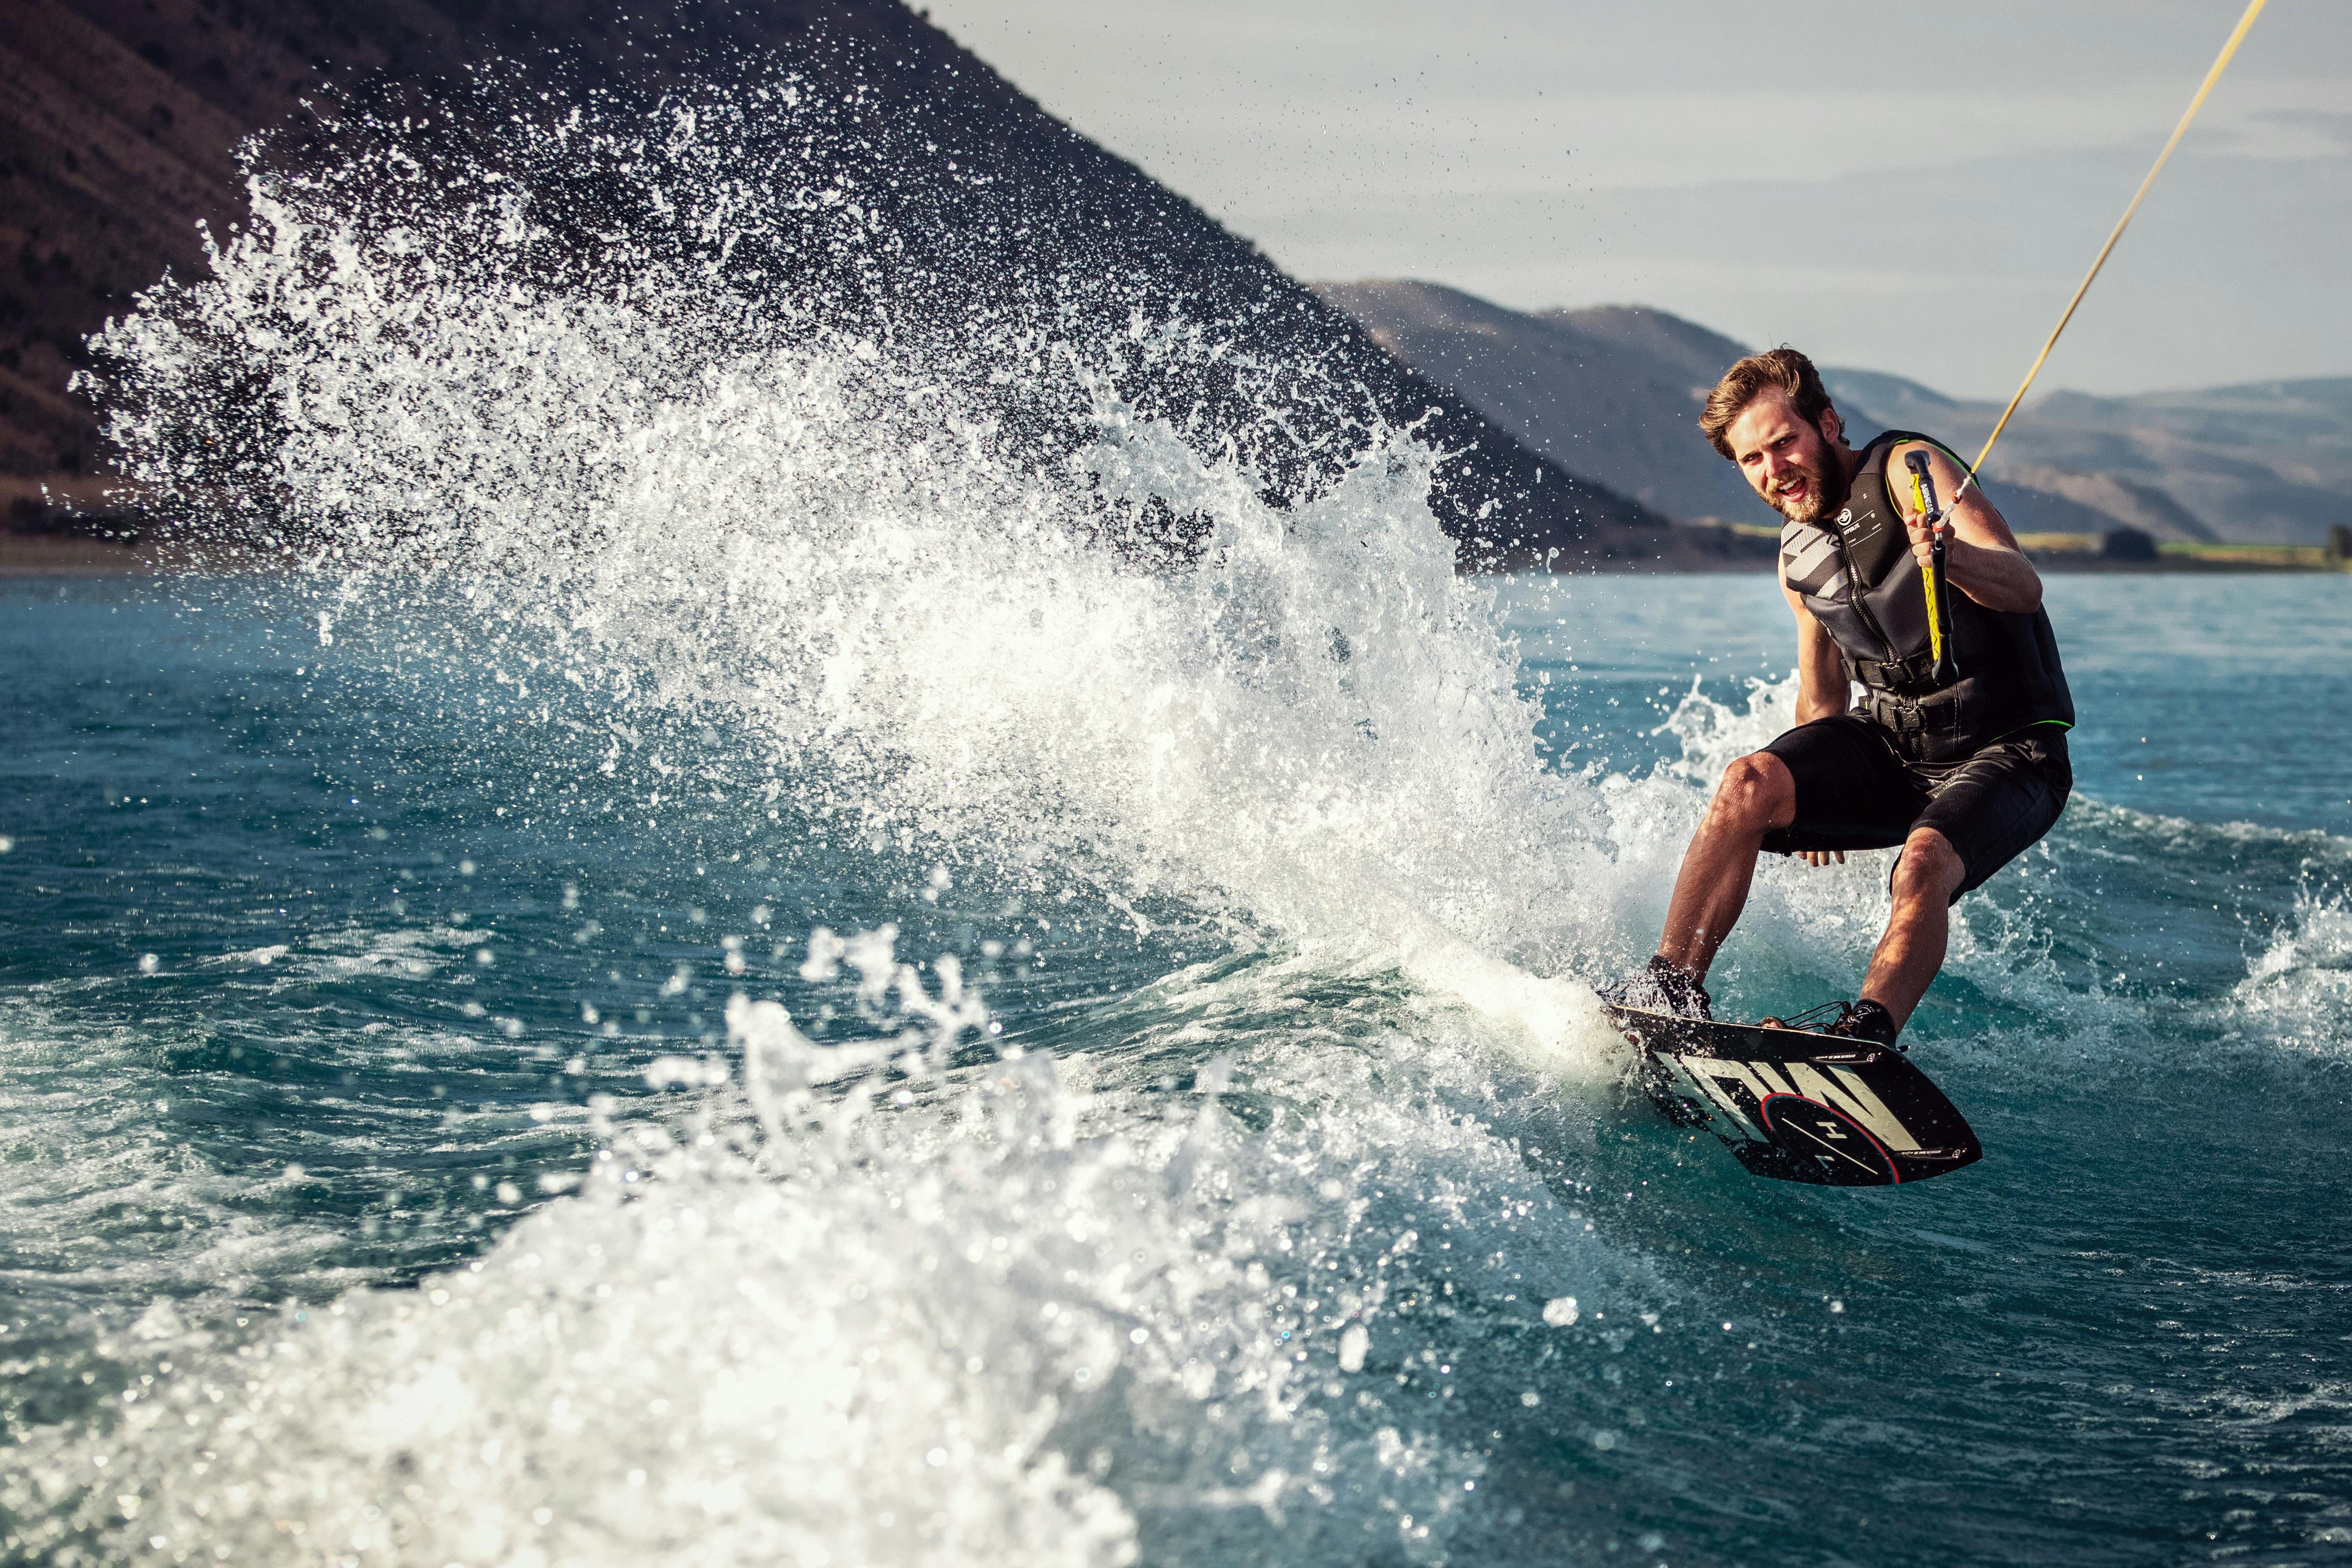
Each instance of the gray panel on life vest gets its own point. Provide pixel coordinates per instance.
(1809, 561)
(1877, 610)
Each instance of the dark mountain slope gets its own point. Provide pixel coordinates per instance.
(121, 113)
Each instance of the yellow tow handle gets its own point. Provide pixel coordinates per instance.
(1924, 507)
(1932, 577)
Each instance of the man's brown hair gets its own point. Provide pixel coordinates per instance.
(1784, 369)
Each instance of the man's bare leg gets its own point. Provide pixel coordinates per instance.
(1757, 795)
(1908, 957)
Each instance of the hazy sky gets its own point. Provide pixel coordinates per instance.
(1902, 187)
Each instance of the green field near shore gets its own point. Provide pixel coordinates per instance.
(2302, 557)
(2293, 557)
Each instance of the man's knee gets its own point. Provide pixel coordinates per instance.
(1757, 793)
(1929, 868)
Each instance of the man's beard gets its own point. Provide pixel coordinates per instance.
(1826, 488)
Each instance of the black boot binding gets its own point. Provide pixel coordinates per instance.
(1863, 1020)
(1678, 990)
(1866, 1020)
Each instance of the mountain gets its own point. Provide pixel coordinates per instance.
(2266, 462)
(116, 138)
(2110, 500)
(2036, 498)
(1608, 393)
(1615, 393)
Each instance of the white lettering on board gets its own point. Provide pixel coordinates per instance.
(1853, 1096)
(1840, 1089)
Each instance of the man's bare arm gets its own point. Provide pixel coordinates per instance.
(1823, 691)
(1821, 687)
(1980, 556)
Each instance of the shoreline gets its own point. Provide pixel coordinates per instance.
(81, 557)
(2062, 564)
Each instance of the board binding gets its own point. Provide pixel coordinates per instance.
(1797, 1106)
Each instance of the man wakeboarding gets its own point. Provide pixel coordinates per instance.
(1961, 761)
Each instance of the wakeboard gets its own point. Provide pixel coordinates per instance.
(1798, 1106)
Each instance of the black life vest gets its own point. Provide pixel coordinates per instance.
(1860, 581)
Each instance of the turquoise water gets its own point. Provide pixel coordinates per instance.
(386, 1179)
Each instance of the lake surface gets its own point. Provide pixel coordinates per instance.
(1183, 1137)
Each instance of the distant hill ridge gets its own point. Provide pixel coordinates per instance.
(1615, 393)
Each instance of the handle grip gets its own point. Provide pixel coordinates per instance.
(1939, 604)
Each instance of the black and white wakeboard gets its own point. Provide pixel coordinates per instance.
(1796, 1105)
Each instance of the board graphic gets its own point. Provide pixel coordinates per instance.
(1797, 1106)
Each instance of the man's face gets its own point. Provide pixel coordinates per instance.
(1793, 463)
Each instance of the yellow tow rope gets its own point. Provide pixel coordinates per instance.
(2221, 63)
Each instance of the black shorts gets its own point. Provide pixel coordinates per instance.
(1855, 790)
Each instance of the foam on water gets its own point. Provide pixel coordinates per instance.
(788, 1322)
(97, 1192)
(2299, 988)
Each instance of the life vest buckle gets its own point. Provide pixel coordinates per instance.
(1904, 678)
(1900, 714)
